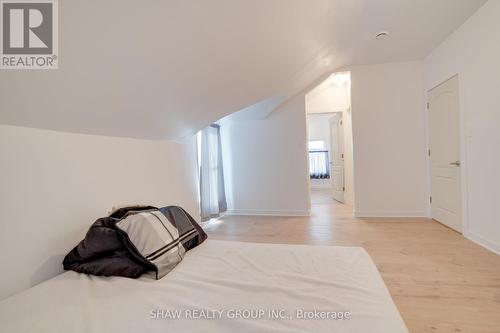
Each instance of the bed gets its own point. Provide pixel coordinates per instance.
(220, 286)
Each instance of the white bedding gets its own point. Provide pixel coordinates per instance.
(216, 283)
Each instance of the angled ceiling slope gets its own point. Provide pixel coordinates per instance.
(165, 69)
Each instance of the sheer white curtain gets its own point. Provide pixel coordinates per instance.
(212, 193)
(319, 167)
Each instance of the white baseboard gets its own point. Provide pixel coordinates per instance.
(393, 213)
(492, 246)
(268, 212)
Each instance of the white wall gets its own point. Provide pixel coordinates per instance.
(55, 184)
(318, 128)
(265, 162)
(329, 96)
(390, 174)
(473, 52)
(266, 165)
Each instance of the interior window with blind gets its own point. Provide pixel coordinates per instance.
(319, 164)
(212, 191)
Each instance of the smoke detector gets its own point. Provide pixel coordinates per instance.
(382, 35)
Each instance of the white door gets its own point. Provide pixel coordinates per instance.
(337, 156)
(444, 144)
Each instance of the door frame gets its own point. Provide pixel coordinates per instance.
(341, 137)
(463, 135)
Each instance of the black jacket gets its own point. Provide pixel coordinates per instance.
(106, 250)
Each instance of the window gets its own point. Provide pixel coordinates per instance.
(212, 193)
(319, 165)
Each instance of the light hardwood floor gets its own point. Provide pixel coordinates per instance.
(440, 281)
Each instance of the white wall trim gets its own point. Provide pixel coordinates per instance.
(258, 212)
(395, 213)
(492, 246)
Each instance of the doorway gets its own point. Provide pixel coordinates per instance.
(444, 154)
(329, 129)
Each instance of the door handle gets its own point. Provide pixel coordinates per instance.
(456, 163)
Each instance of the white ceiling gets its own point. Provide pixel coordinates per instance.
(164, 69)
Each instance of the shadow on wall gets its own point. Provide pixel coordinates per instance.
(47, 269)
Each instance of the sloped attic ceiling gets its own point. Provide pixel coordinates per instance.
(164, 69)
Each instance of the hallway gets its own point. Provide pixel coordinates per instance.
(440, 281)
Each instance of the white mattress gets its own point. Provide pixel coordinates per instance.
(216, 285)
